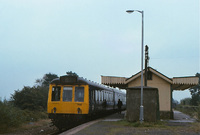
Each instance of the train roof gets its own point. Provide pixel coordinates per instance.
(75, 80)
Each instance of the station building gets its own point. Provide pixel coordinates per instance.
(158, 80)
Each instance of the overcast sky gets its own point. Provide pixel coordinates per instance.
(94, 38)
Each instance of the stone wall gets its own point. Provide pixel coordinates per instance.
(150, 103)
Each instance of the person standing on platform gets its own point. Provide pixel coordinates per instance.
(119, 105)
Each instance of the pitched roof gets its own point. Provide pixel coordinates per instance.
(169, 80)
(178, 83)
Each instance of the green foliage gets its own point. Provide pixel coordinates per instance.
(26, 105)
(195, 92)
(10, 116)
(45, 81)
(193, 111)
(31, 116)
(186, 101)
(143, 124)
(34, 98)
(70, 73)
(31, 98)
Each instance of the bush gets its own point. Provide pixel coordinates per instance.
(31, 98)
(13, 117)
(31, 116)
(193, 111)
(10, 116)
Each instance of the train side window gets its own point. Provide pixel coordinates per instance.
(93, 95)
(55, 96)
(67, 93)
(111, 96)
(97, 95)
(79, 94)
(101, 95)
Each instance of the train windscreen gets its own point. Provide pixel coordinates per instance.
(79, 94)
(67, 94)
(56, 93)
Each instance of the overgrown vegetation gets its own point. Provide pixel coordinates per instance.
(26, 105)
(191, 105)
(144, 124)
(193, 111)
(10, 116)
(195, 92)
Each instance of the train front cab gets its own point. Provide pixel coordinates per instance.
(68, 99)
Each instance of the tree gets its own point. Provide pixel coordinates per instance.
(195, 92)
(70, 73)
(185, 101)
(45, 81)
(33, 98)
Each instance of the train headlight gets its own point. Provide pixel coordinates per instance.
(54, 110)
(79, 111)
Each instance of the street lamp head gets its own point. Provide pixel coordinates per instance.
(129, 11)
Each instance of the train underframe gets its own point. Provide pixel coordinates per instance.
(67, 121)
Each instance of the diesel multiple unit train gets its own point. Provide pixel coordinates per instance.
(73, 99)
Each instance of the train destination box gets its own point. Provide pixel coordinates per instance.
(68, 79)
(150, 103)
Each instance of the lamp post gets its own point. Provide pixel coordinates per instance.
(141, 106)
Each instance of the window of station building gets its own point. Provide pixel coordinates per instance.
(79, 94)
(149, 75)
(55, 96)
(67, 94)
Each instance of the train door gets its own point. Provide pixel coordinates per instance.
(114, 100)
(91, 99)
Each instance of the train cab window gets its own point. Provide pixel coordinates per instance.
(67, 93)
(79, 94)
(56, 94)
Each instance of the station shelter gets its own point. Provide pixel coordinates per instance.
(158, 80)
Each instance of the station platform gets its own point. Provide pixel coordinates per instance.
(110, 125)
(81, 130)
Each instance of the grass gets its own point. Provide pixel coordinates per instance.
(193, 111)
(152, 127)
(13, 117)
(114, 131)
(195, 127)
(29, 126)
(159, 124)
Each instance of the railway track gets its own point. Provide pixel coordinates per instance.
(73, 129)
